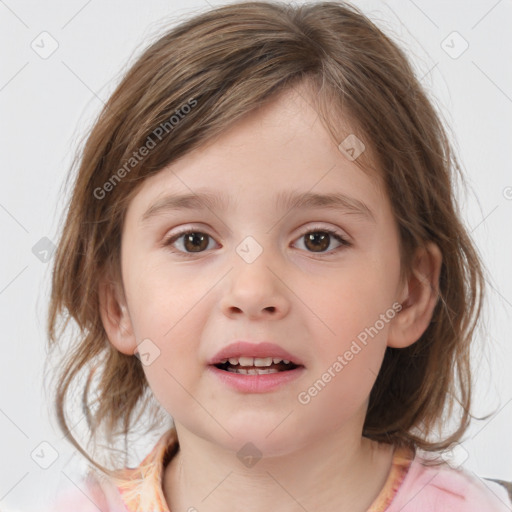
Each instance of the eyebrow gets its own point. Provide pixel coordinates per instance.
(290, 200)
(287, 201)
(198, 201)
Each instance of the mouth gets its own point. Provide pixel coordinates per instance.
(255, 368)
(256, 365)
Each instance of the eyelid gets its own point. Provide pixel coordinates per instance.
(331, 230)
(340, 236)
(171, 239)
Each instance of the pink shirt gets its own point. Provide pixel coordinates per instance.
(411, 486)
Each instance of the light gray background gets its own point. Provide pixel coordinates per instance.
(48, 103)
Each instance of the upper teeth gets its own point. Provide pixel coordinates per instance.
(254, 361)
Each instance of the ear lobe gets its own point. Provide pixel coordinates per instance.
(115, 317)
(421, 293)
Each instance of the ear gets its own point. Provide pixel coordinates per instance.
(419, 298)
(115, 316)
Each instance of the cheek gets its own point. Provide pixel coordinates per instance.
(158, 312)
(160, 296)
(175, 371)
(350, 320)
(344, 373)
(352, 300)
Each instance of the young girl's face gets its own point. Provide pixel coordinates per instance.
(251, 274)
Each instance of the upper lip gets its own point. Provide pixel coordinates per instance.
(244, 348)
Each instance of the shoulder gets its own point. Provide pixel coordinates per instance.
(93, 494)
(442, 487)
(130, 489)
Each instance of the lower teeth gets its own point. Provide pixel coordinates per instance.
(252, 371)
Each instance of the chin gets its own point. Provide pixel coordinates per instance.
(260, 439)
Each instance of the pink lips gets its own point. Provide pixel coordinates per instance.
(260, 383)
(256, 383)
(243, 348)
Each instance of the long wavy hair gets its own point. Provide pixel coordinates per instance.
(223, 64)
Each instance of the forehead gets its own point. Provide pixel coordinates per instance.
(275, 152)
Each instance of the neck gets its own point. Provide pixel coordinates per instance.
(335, 473)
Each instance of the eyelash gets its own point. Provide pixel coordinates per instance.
(334, 234)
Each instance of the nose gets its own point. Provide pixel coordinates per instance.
(256, 291)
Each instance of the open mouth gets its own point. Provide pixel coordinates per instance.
(255, 365)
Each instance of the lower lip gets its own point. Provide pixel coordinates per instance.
(256, 383)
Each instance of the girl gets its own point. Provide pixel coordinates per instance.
(263, 244)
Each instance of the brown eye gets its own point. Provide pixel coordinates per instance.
(189, 242)
(195, 242)
(319, 240)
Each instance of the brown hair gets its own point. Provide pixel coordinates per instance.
(223, 64)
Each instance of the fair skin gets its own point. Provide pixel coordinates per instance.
(311, 302)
